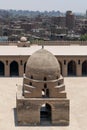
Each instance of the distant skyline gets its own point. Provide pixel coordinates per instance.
(45, 5)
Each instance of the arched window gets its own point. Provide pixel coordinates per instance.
(14, 69)
(71, 68)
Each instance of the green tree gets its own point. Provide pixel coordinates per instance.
(83, 37)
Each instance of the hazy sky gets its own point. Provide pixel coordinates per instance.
(41, 5)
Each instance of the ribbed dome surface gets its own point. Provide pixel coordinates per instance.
(42, 65)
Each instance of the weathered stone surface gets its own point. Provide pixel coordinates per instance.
(42, 99)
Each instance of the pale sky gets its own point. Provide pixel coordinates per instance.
(48, 5)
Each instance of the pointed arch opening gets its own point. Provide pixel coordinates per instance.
(45, 114)
(84, 68)
(14, 69)
(71, 68)
(2, 69)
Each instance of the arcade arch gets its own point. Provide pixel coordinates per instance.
(14, 68)
(2, 68)
(84, 68)
(71, 68)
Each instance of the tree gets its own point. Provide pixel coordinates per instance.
(83, 37)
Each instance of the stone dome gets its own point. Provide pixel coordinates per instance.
(42, 65)
(23, 39)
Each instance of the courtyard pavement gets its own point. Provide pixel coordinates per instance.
(76, 89)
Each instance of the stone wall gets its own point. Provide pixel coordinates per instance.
(28, 111)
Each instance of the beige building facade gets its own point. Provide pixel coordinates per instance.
(72, 59)
(70, 66)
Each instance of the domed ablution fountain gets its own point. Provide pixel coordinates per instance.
(42, 99)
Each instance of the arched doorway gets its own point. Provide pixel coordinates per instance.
(45, 114)
(71, 68)
(84, 68)
(2, 69)
(14, 69)
(24, 67)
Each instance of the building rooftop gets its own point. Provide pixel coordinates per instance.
(55, 50)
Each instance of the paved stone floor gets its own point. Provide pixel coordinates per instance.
(76, 91)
